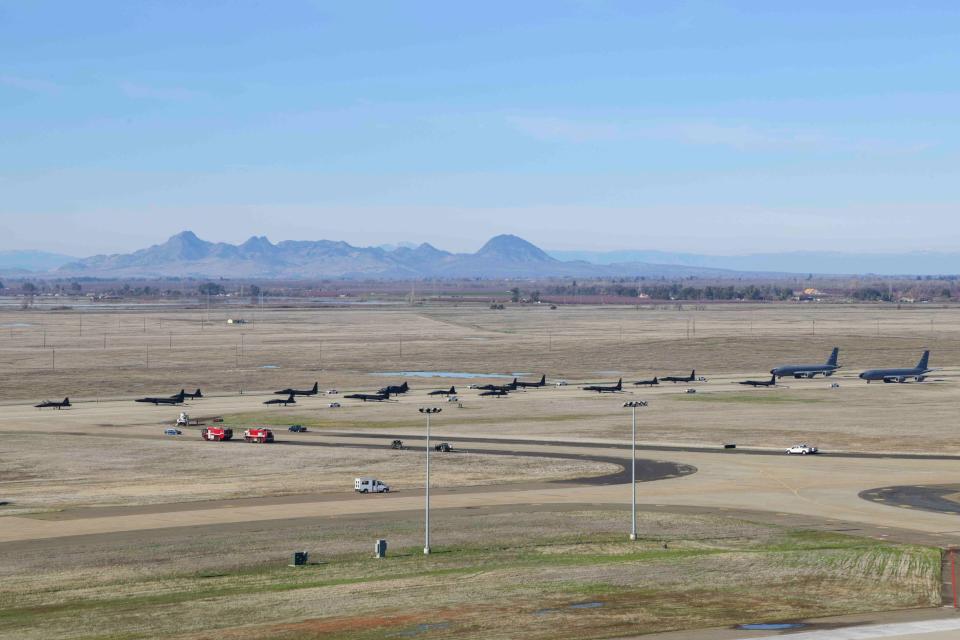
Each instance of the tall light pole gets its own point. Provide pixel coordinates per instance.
(426, 523)
(632, 405)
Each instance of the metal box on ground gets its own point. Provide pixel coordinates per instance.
(300, 558)
(380, 548)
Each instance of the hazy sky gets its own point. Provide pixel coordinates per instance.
(722, 127)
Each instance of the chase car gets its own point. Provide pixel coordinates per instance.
(801, 449)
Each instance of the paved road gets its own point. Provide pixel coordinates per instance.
(648, 447)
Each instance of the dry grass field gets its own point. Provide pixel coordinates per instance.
(92, 471)
(156, 350)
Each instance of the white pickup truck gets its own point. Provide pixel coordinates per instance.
(801, 449)
(370, 485)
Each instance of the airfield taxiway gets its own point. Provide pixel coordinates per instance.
(823, 488)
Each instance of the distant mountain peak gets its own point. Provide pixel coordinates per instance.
(513, 248)
(257, 244)
(185, 246)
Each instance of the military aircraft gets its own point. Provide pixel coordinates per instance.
(48, 404)
(542, 382)
(918, 372)
(177, 399)
(372, 397)
(496, 393)
(452, 391)
(300, 392)
(196, 394)
(809, 370)
(599, 388)
(499, 387)
(772, 382)
(691, 378)
(290, 400)
(394, 389)
(650, 382)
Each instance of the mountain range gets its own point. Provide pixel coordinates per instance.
(801, 262)
(503, 256)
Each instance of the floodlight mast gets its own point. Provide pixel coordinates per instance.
(428, 411)
(632, 405)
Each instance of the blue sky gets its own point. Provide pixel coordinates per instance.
(719, 127)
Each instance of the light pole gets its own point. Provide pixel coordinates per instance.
(632, 405)
(426, 523)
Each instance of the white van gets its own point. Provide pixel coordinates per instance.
(370, 485)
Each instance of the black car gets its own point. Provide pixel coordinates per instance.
(297, 428)
(444, 447)
(396, 444)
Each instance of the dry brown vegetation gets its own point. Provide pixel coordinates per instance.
(340, 347)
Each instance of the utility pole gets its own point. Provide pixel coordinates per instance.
(53, 359)
(426, 525)
(632, 405)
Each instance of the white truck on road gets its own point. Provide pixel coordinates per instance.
(802, 449)
(370, 485)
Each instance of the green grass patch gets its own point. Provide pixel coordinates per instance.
(528, 584)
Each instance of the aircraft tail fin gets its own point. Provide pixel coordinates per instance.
(619, 384)
(924, 360)
(316, 387)
(66, 402)
(405, 386)
(543, 380)
(198, 394)
(291, 398)
(693, 374)
(773, 378)
(655, 380)
(453, 390)
(832, 360)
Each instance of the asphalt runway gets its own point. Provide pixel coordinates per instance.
(934, 497)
